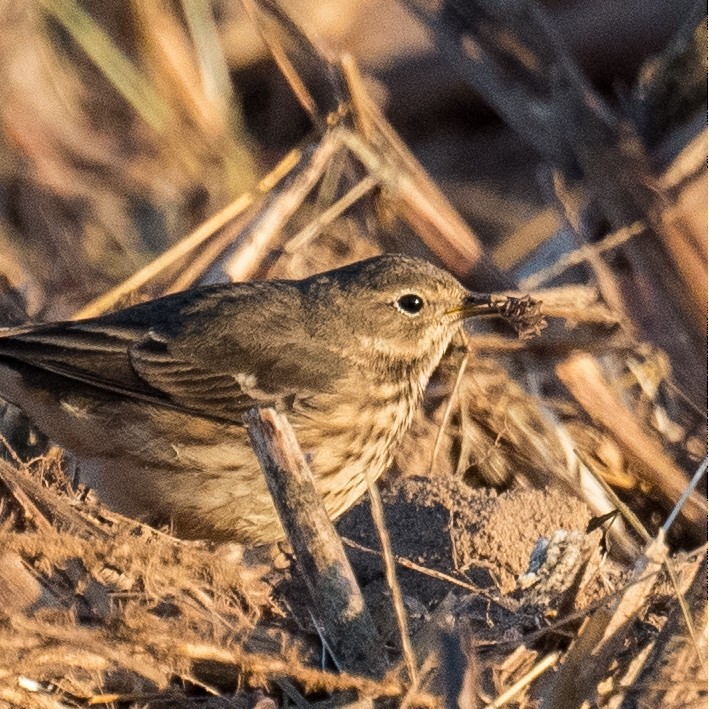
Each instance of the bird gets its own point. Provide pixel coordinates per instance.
(150, 399)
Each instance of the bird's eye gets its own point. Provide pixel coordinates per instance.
(411, 304)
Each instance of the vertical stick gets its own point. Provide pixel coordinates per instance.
(390, 573)
(338, 604)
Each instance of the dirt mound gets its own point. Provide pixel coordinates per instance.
(443, 524)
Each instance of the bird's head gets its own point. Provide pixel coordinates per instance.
(394, 309)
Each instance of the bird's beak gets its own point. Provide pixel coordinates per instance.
(524, 314)
(475, 304)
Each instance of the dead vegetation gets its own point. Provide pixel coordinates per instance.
(547, 543)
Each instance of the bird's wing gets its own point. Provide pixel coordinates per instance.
(90, 352)
(199, 387)
(140, 356)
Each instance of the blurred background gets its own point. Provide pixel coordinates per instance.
(126, 124)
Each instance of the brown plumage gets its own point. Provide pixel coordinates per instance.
(150, 398)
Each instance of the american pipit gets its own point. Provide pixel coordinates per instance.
(150, 398)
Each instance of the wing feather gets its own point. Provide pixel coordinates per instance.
(161, 352)
(218, 394)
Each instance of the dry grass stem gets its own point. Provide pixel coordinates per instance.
(411, 193)
(448, 410)
(574, 258)
(617, 503)
(584, 378)
(601, 638)
(358, 97)
(686, 495)
(408, 564)
(265, 230)
(286, 67)
(392, 582)
(635, 523)
(104, 53)
(190, 243)
(540, 668)
(325, 218)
